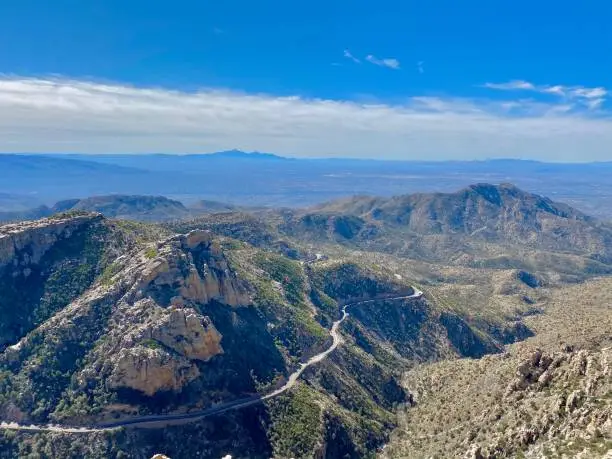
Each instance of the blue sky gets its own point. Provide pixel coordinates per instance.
(399, 79)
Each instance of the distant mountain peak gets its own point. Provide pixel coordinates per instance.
(239, 154)
(495, 193)
(489, 188)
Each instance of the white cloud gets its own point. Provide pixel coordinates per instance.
(45, 115)
(589, 93)
(558, 90)
(511, 85)
(389, 62)
(595, 104)
(348, 55)
(592, 98)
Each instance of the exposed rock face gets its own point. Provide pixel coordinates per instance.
(191, 268)
(155, 299)
(576, 408)
(151, 370)
(25, 243)
(188, 272)
(188, 333)
(556, 404)
(43, 266)
(212, 277)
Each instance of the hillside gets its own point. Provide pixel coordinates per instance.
(118, 319)
(144, 208)
(208, 206)
(132, 207)
(482, 225)
(548, 396)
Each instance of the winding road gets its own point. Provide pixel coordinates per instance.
(157, 421)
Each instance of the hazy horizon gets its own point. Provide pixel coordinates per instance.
(80, 155)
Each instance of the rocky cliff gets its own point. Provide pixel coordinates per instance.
(24, 244)
(43, 266)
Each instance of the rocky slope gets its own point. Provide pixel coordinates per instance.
(482, 225)
(548, 396)
(43, 267)
(142, 208)
(122, 319)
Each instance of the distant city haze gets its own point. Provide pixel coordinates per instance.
(247, 179)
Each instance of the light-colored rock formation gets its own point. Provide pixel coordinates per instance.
(165, 334)
(151, 370)
(161, 336)
(212, 278)
(188, 333)
(195, 267)
(26, 242)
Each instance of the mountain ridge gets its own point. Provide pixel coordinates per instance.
(118, 319)
(482, 221)
(189, 178)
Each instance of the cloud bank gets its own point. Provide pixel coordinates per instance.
(46, 115)
(592, 98)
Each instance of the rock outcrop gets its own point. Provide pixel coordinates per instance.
(190, 268)
(169, 290)
(556, 404)
(188, 333)
(160, 353)
(151, 370)
(23, 244)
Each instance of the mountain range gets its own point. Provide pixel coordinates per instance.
(327, 331)
(481, 224)
(274, 181)
(117, 321)
(135, 207)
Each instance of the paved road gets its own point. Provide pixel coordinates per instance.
(156, 421)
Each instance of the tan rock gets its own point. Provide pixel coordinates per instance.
(188, 333)
(151, 370)
(574, 400)
(37, 236)
(475, 452)
(175, 266)
(197, 237)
